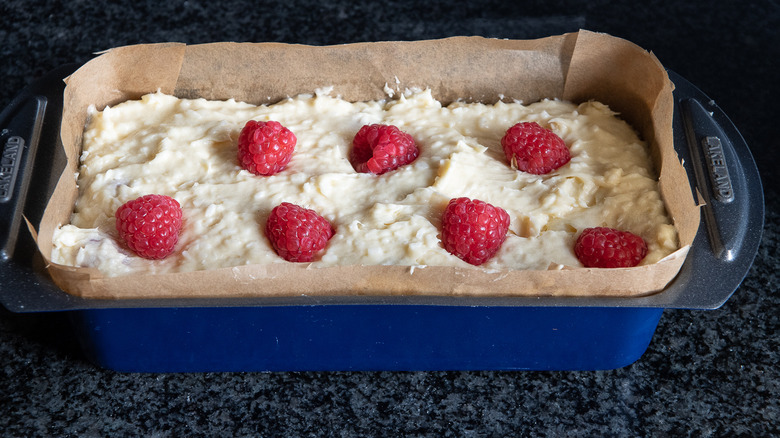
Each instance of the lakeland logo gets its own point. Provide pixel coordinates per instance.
(719, 171)
(9, 166)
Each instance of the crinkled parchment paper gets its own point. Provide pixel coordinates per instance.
(577, 67)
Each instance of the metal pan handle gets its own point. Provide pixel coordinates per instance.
(725, 179)
(20, 133)
(28, 175)
(724, 198)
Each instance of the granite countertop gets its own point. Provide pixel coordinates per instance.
(705, 373)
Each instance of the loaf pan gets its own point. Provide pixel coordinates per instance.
(375, 332)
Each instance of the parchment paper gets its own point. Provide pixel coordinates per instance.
(577, 67)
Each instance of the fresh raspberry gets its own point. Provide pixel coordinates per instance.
(533, 149)
(297, 233)
(603, 247)
(381, 148)
(150, 225)
(265, 148)
(473, 230)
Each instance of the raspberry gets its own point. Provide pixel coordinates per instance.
(602, 247)
(265, 148)
(150, 225)
(533, 149)
(473, 230)
(297, 233)
(381, 148)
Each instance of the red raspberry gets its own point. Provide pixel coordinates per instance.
(473, 230)
(265, 148)
(297, 233)
(150, 225)
(603, 247)
(381, 148)
(533, 149)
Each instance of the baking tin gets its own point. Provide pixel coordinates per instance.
(379, 333)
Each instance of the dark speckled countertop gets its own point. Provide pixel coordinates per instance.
(705, 373)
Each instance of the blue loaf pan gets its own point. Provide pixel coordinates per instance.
(374, 333)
